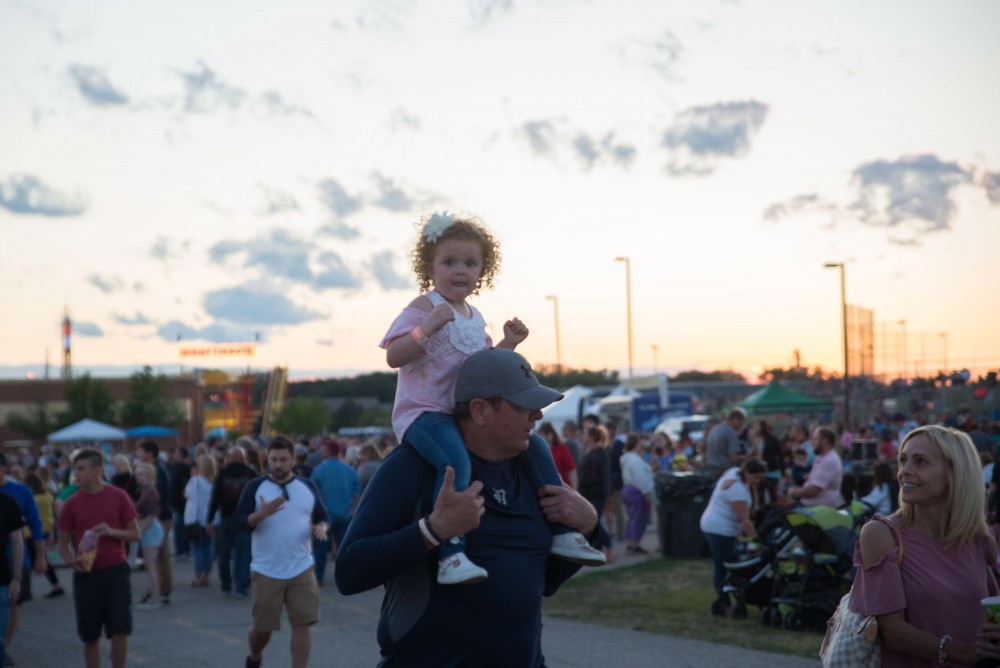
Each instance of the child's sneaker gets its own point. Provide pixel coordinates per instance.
(574, 547)
(457, 569)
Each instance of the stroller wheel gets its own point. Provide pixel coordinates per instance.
(718, 608)
(765, 616)
(794, 621)
(740, 611)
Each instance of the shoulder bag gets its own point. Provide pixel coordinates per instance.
(852, 640)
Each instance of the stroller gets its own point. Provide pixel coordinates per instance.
(750, 576)
(801, 571)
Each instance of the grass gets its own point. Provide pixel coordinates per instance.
(672, 597)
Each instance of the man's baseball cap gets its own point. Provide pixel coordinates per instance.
(499, 372)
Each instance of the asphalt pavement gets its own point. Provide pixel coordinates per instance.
(204, 627)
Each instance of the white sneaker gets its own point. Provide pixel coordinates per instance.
(574, 547)
(457, 569)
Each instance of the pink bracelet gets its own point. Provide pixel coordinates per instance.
(418, 335)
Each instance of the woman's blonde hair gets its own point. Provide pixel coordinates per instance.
(206, 467)
(148, 471)
(123, 461)
(463, 228)
(966, 492)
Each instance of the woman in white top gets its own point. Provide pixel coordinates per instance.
(880, 499)
(637, 494)
(726, 517)
(198, 493)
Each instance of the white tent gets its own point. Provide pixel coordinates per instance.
(87, 430)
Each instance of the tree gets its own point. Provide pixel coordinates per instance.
(302, 416)
(346, 415)
(148, 403)
(36, 424)
(87, 397)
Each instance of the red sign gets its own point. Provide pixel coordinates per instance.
(220, 350)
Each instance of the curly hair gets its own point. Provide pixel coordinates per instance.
(464, 228)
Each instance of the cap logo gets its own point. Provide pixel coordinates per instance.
(527, 370)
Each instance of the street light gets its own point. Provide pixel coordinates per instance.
(628, 310)
(843, 309)
(656, 349)
(555, 309)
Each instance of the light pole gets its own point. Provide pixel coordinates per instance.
(555, 310)
(628, 310)
(843, 315)
(656, 350)
(944, 337)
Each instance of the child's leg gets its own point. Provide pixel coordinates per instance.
(436, 438)
(542, 471)
(567, 543)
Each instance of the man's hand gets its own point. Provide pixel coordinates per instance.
(456, 513)
(209, 530)
(40, 565)
(563, 505)
(268, 508)
(514, 332)
(319, 530)
(102, 529)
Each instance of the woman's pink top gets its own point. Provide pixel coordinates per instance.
(427, 385)
(938, 589)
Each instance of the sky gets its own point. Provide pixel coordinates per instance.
(232, 171)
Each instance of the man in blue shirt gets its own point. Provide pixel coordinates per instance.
(29, 510)
(339, 488)
(391, 540)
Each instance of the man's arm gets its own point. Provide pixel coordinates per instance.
(17, 563)
(247, 505)
(562, 505)
(34, 521)
(67, 551)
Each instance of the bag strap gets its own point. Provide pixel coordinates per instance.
(898, 533)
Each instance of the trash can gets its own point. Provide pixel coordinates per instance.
(683, 497)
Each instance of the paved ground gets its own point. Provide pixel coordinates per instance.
(202, 627)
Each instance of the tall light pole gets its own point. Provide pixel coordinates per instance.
(656, 350)
(843, 315)
(628, 310)
(555, 309)
(944, 336)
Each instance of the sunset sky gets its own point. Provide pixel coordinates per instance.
(220, 171)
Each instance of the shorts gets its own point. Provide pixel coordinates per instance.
(299, 595)
(103, 599)
(152, 536)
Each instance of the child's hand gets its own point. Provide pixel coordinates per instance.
(439, 316)
(514, 331)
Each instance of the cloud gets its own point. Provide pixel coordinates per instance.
(165, 249)
(390, 196)
(245, 306)
(204, 92)
(382, 268)
(276, 201)
(541, 136)
(95, 87)
(25, 194)
(591, 150)
(401, 120)
(275, 105)
(107, 285)
(991, 183)
(339, 230)
(215, 332)
(137, 319)
(913, 190)
(333, 196)
(666, 53)
(701, 136)
(88, 329)
(483, 11)
(335, 273)
(806, 205)
(324, 342)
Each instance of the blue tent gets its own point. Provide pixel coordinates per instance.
(149, 431)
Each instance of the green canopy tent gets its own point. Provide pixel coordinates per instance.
(775, 398)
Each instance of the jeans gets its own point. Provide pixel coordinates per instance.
(201, 550)
(723, 549)
(603, 539)
(180, 537)
(233, 554)
(436, 438)
(4, 618)
(321, 548)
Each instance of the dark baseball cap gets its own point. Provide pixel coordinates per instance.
(499, 372)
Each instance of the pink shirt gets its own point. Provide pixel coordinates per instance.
(827, 474)
(938, 589)
(427, 385)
